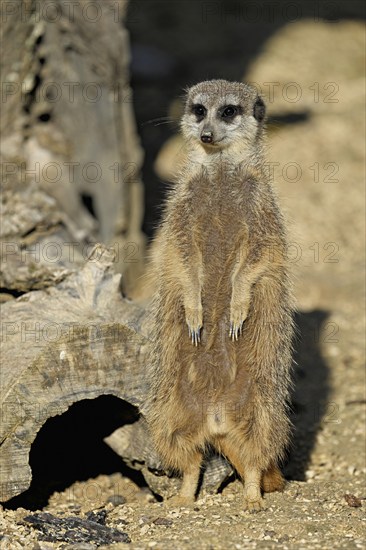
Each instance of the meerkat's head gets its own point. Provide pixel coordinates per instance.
(220, 114)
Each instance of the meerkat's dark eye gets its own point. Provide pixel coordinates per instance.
(229, 112)
(199, 110)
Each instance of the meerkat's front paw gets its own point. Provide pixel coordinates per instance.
(194, 321)
(238, 314)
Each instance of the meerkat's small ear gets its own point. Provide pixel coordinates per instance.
(259, 110)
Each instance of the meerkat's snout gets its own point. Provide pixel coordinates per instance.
(207, 136)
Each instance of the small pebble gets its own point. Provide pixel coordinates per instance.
(163, 521)
(352, 501)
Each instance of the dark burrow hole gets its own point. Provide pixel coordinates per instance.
(70, 448)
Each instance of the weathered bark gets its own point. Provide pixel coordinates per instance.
(39, 243)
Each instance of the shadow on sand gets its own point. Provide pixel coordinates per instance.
(310, 402)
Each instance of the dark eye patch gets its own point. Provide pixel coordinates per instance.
(229, 112)
(199, 110)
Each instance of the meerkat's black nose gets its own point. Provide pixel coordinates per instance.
(207, 137)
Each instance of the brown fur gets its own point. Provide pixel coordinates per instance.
(220, 259)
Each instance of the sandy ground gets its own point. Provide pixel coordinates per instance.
(320, 179)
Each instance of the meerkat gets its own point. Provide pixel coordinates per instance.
(222, 309)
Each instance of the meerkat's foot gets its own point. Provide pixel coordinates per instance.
(253, 506)
(194, 322)
(253, 501)
(180, 500)
(237, 317)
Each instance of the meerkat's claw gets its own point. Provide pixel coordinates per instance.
(194, 321)
(235, 330)
(195, 335)
(232, 331)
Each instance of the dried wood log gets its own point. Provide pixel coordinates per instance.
(74, 341)
(77, 340)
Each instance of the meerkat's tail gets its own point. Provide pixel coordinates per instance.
(273, 480)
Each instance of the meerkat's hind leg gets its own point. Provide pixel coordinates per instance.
(253, 500)
(188, 489)
(250, 475)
